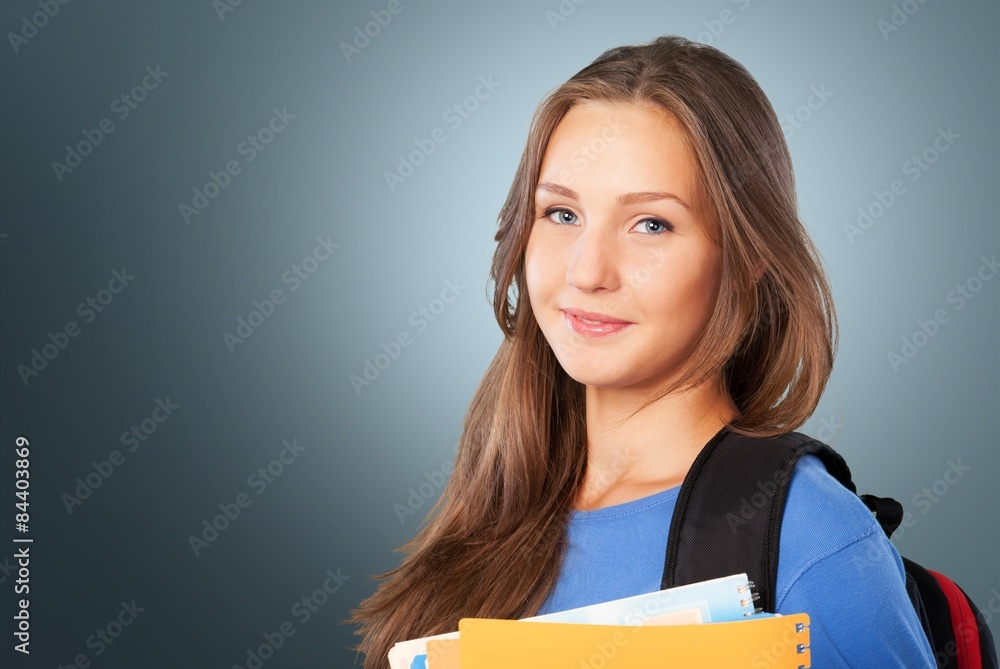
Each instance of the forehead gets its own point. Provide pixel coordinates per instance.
(634, 146)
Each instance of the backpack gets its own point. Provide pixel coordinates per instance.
(733, 471)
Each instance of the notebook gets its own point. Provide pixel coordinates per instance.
(776, 642)
(728, 598)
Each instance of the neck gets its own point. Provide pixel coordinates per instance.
(654, 449)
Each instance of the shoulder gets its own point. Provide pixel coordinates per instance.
(822, 519)
(815, 496)
(836, 564)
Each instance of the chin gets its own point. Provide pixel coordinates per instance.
(591, 370)
(593, 379)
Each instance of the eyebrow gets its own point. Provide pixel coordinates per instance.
(623, 199)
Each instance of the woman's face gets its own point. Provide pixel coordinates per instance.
(613, 235)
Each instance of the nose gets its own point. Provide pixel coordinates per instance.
(592, 263)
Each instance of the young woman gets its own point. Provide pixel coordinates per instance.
(655, 286)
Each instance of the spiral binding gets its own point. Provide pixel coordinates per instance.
(800, 648)
(754, 596)
(752, 599)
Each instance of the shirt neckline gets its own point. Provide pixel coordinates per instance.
(636, 505)
(625, 508)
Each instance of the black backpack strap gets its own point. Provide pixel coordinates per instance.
(727, 519)
(923, 615)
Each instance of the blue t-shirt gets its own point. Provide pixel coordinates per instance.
(834, 563)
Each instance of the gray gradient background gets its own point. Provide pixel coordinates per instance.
(323, 175)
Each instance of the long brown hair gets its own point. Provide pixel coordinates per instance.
(492, 545)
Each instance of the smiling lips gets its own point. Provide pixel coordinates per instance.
(590, 324)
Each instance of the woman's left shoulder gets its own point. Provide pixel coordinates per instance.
(814, 493)
(837, 565)
(822, 513)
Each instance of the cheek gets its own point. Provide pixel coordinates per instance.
(531, 267)
(683, 291)
(539, 265)
(702, 290)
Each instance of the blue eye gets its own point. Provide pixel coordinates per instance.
(661, 225)
(548, 213)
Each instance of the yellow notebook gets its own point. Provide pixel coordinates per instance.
(775, 642)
